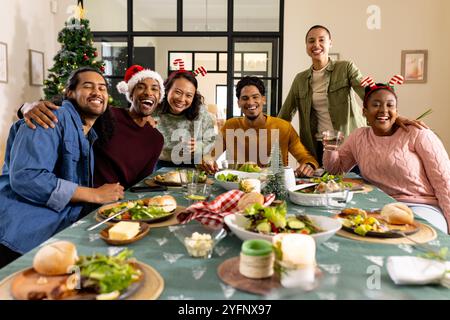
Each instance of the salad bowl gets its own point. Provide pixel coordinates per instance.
(229, 179)
(312, 199)
(238, 224)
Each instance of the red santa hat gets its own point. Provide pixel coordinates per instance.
(134, 75)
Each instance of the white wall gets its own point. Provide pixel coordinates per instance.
(405, 25)
(24, 25)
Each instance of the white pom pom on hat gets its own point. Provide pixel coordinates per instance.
(134, 75)
(122, 87)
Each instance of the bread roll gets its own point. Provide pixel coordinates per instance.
(56, 258)
(249, 199)
(167, 202)
(397, 213)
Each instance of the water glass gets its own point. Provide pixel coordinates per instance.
(188, 176)
(332, 139)
(224, 164)
(198, 192)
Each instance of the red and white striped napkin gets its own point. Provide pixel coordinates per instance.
(212, 213)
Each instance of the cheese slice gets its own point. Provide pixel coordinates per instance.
(124, 230)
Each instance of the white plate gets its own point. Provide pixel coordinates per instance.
(237, 224)
(235, 185)
(310, 199)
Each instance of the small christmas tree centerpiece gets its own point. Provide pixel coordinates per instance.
(275, 179)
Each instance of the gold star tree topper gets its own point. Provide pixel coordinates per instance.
(79, 12)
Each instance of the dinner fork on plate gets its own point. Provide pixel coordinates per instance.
(419, 245)
(107, 219)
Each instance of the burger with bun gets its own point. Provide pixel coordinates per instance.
(167, 202)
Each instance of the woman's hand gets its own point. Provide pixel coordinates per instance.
(109, 192)
(41, 113)
(403, 122)
(304, 170)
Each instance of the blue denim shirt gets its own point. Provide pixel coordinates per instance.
(41, 172)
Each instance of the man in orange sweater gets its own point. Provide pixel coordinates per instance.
(251, 138)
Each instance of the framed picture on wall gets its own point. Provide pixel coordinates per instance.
(36, 68)
(334, 56)
(3, 62)
(415, 65)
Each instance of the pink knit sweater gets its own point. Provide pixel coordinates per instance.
(409, 166)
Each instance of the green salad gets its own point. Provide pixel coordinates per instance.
(273, 220)
(137, 211)
(327, 177)
(229, 177)
(104, 274)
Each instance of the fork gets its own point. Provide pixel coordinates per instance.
(424, 246)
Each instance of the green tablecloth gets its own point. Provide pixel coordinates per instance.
(350, 269)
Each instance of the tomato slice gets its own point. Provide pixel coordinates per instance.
(126, 216)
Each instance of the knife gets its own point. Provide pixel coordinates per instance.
(107, 219)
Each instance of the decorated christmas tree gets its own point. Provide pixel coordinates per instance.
(76, 51)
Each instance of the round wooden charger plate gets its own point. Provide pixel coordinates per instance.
(425, 234)
(169, 222)
(151, 289)
(228, 272)
(359, 183)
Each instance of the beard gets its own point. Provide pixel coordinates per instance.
(87, 112)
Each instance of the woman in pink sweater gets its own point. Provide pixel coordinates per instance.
(412, 167)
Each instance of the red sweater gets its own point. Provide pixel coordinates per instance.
(130, 155)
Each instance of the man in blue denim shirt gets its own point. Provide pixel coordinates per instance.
(48, 173)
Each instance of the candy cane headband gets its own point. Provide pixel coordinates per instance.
(369, 82)
(180, 63)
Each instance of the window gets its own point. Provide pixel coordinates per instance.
(229, 38)
(107, 15)
(256, 15)
(205, 15)
(155, 15)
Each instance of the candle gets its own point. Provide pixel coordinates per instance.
(256, 259)
(297, 256)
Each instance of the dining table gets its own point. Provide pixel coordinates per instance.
(349, 269)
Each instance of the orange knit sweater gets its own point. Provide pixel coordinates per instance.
(245, 143)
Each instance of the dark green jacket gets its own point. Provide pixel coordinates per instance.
(346, 115)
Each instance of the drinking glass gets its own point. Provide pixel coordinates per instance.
(332, 139)
(198, 192)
